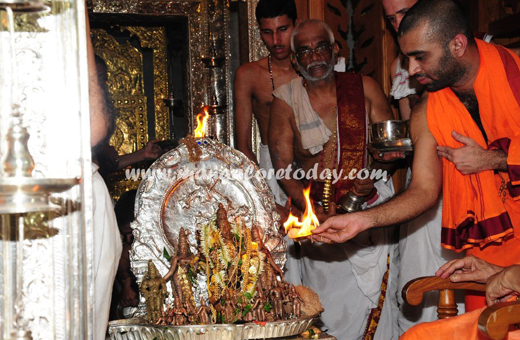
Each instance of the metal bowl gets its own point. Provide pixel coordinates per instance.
(390, 130)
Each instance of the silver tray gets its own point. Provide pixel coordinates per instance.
(135, 329)
(404, 145)
(171, 196)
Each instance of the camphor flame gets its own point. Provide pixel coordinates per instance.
(310, 220)
(202, 120)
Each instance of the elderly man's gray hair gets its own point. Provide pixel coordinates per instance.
(310, 22)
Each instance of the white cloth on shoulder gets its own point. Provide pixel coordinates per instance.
(107, 251)
(314, 133)
(401, 84)
(341, 65)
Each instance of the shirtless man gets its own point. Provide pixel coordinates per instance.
(322, 119)
(255, 81)
(285, 136)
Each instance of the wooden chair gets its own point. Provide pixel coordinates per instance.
(494, 321)
(413, 293)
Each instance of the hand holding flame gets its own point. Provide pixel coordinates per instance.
(296, 229)
(341, 228)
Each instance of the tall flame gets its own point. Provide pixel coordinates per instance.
(202, 119)
(310, 220)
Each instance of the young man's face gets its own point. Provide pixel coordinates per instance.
(276, 35)
(430, 63)
(396, 9)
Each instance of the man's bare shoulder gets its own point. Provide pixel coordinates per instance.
(253, 68)
(282, 109)
(420, 106)
(373, 91)
(253, 78)
(418, 119)
(370, 84)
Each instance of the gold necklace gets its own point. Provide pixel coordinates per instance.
(327, 186)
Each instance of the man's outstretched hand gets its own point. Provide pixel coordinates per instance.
(341, 228)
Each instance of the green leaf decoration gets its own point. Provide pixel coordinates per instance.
(191, 276)
(246, 310)
(166, 255)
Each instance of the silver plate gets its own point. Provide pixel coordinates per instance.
(172, 195)
(404, 144)
(135, 329)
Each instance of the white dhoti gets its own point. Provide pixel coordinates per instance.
(421, 254)
(348, 277)
(107, 251)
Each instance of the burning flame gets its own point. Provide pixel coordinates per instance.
(202, 119)
(310, 220)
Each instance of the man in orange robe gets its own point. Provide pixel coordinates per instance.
(466, 135)
(501, 285)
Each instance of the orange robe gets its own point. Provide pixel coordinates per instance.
(477, 215)
(463, 327)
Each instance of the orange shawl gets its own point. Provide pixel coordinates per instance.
(473, 213)
(462, 327)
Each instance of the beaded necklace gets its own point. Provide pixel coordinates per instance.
(270, 70)
(330, 163)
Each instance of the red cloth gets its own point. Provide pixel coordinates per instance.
(352, 123)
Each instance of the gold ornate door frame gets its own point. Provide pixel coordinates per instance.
(125, 82)
(196, 12)
(200, 21)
